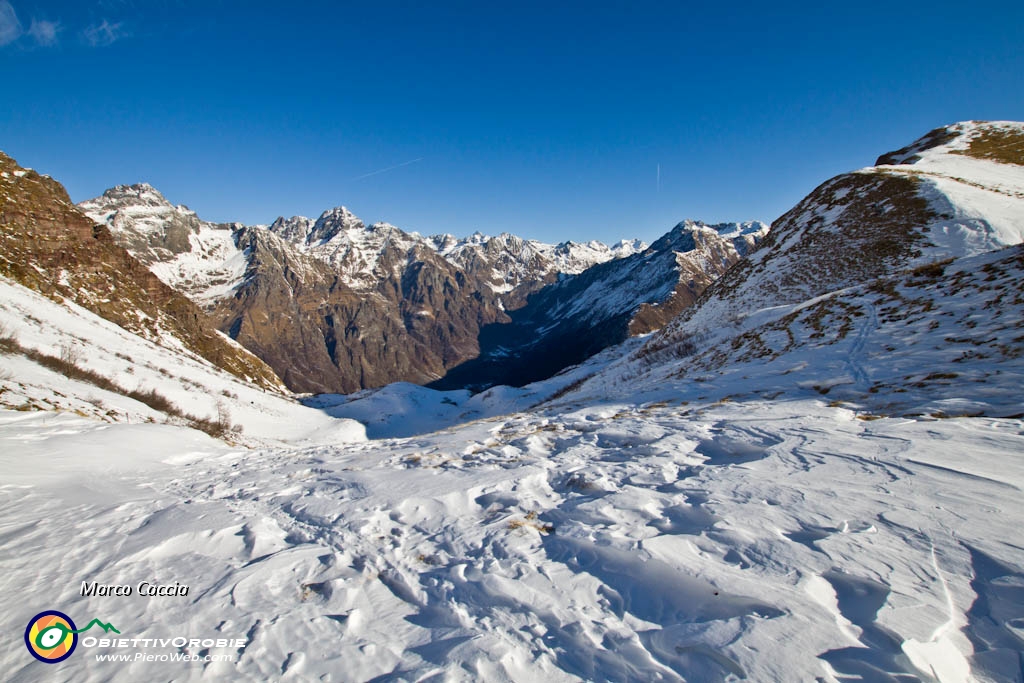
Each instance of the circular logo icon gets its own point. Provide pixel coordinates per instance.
(50, 636)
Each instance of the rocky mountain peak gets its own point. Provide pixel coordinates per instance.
(627, 247)
(144, 221)
(139, 198)
(689, 234)
(333, 222)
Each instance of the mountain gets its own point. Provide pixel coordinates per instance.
(302, 296)
(333, 304)
(898, 287)
(49, 245)
(572, 319)
(514, 268)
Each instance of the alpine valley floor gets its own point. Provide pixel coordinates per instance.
(758, 540)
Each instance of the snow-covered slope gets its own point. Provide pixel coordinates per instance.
(755, 540)
(132, 365)
(939, 340)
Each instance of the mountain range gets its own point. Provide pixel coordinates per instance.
(335, 305)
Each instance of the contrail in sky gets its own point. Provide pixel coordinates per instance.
(659, 177)
(385, 170)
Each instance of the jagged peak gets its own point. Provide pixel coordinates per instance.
(682, 236)
(507, 239)
(137, 199)
(338, 213)
(332, 222)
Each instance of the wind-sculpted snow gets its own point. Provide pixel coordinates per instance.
(751, 540)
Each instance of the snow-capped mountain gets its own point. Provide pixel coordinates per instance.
(360, 252)
(333, 304)
(363, 255)
(329, 304)
(507, 262)
(579, 315)
(196, 257)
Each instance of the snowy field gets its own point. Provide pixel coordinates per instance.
(762, 540)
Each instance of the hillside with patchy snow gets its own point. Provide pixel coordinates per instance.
(939, 203)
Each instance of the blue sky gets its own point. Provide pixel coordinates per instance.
(550, 122)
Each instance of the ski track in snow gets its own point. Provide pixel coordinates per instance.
(760, 541)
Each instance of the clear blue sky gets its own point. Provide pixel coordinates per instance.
(546, 121)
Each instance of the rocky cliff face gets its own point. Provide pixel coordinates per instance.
(49, 245)
(304, 319)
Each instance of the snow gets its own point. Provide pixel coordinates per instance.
(134, 363)
(763, 540)
(212, 270)
(984, 198)
(402, 409)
